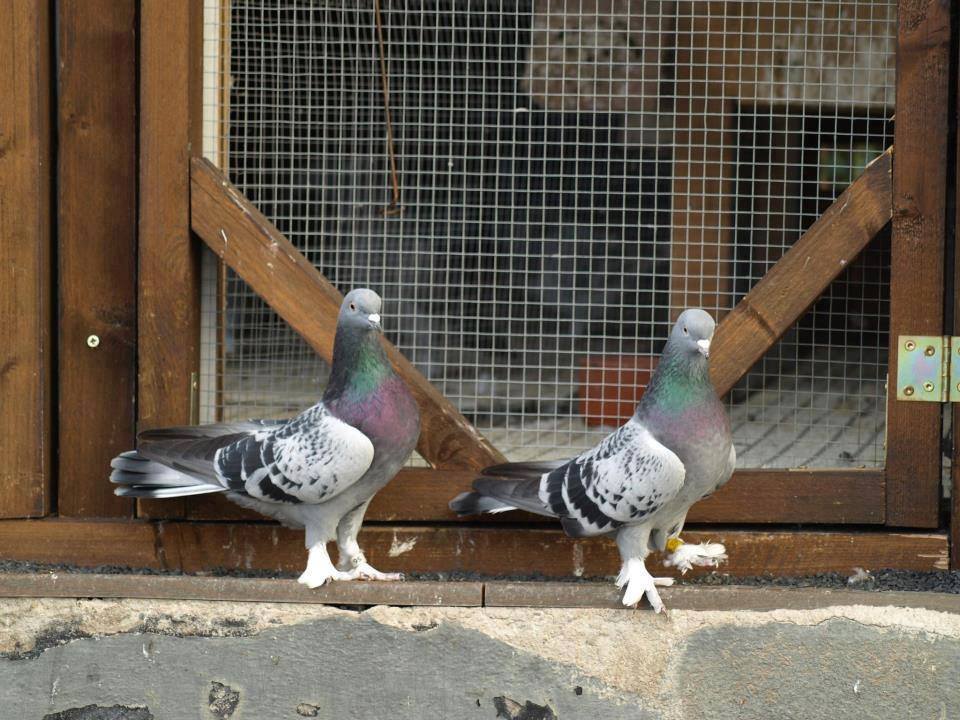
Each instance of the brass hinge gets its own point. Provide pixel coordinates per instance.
(928, 368)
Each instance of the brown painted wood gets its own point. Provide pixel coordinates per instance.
(232, 589)
(917, 247)
(168, 331)
(752, 496)
(201, 547)
(250, 244)
(792, 285)
(97, 212)
(26, 359)
(955, 407)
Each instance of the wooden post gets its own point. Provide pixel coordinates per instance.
(168, 309)
(917, 247)
(25, 259)
(97, 211)
(955, 408)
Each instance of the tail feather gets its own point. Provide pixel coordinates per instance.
(473, 503)
(139, 476)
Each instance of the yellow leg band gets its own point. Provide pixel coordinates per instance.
(673, 543)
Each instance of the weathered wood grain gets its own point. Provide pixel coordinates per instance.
(26, 296)
(490, 551)
(97, 214)
(792, 285)
(168, 310)
(917, 251)
(250, 244)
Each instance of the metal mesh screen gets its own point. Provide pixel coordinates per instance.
(571, 174)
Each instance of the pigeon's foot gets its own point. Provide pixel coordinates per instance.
(638, 582)
(684, 556)
(320, 569)
(364, 571)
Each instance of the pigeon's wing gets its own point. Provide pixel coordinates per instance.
(624, 479)
(311, 459)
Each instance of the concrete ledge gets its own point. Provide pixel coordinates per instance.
(149, 659)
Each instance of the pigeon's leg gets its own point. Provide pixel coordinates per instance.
(684, 556)
(320, 568)
(634, 576)
(352, 560)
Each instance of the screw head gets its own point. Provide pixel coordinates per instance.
(910, 345)
(929, 350)
(928, 386)
(93, 341)
(908, 390)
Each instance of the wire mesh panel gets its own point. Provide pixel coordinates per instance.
(570, 174)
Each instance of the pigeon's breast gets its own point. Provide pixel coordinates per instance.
(389, 416)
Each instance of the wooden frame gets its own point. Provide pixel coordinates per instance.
(97, 210)
(26, 291)
(917, 258)
(96, 195)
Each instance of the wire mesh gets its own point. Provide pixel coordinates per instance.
(572, 174)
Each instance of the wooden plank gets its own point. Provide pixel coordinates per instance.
(752, 496)
(917, 247)
(542, 594)
(196, 547)
(168, 312)
(84, 543)
(250, 244)
(232, 589)
(705, 598)
(25, 259)
(955, 407)
(97, 209)
(792, 285)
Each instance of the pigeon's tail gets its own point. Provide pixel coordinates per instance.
(511, 486)
(138, 476)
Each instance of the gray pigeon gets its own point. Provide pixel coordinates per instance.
(639, 483)
(317, 471)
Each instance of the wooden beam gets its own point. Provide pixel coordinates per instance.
(26, 294)
(259, 253)
(825, 497)
(792, 285)
(955, 407)
(168, 306)
(917, 251)
(97, 211)
(203, 547)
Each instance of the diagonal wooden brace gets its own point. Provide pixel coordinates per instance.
(791, 286)
(279, 273)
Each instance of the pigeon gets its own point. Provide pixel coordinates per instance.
(638, 484)
(318, 470)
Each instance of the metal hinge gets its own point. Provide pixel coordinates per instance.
(928, 368)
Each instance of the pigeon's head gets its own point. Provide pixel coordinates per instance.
(693, 332)
(361, 310)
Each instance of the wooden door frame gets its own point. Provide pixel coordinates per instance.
(169, 273)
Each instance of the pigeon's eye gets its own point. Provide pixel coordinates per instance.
(353, 308)
(685, 331)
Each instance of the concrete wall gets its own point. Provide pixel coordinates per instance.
(135, 660)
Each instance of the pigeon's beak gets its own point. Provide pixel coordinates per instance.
(374, 319)
(704, 347)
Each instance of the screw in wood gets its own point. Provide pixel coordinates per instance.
(928, 386)
(910, 345)
(93, 340)
(908, 390)
(929, 350)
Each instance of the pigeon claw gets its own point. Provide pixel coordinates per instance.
(314, 579)
(686, 556)
(364, 571)
(636, 581)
